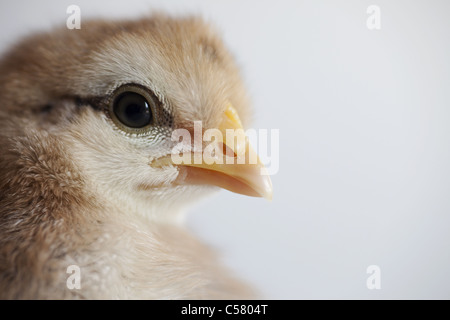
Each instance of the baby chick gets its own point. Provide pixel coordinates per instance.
(87, 170)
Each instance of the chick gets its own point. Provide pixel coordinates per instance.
(87, 176)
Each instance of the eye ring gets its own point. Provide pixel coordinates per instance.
(133, 109)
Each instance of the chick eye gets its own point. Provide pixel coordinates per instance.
(132, 110)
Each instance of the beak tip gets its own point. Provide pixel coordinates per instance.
(267, 190)
(268, 197)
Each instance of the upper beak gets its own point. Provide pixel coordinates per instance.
(248, 178)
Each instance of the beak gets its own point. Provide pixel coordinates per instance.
(237, 169)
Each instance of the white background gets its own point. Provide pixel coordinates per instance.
(365, 141)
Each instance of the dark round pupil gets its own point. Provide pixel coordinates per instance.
(132, 110)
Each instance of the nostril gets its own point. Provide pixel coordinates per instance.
(226, 150)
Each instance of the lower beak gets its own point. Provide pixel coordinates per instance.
(248, 177)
